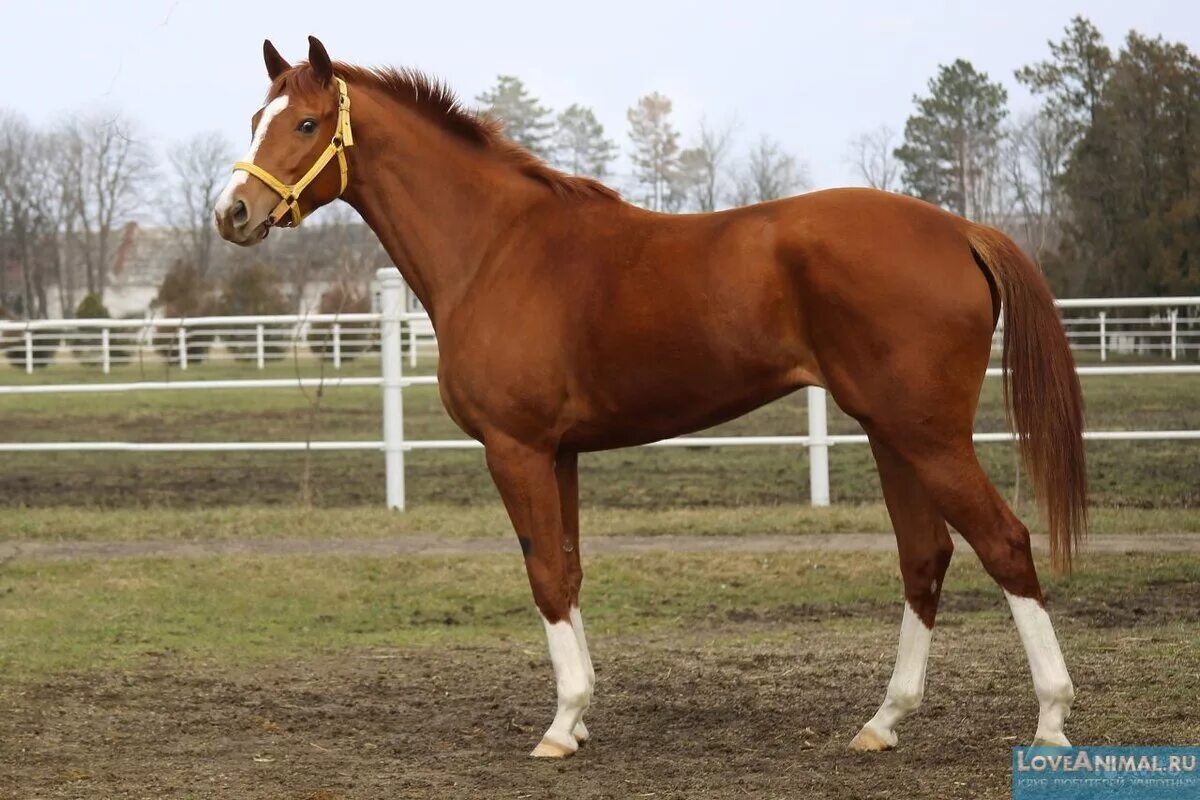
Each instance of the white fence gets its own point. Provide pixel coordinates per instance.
(335, 336)
(1160, 327)
(1166, 327)
(186, 341)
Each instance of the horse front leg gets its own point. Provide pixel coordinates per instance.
(566, 470)
(528, 480)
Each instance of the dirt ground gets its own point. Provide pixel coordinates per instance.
(430, 545)
(746, 707)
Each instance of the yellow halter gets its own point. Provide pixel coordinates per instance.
(290, 195)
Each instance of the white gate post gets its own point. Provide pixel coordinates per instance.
(28, 352)
(1103, 336)
(260, 349)
(1174, 332)
(818, 447)
(337, 345)
(391, 307)
(105, 351)
(182, 347)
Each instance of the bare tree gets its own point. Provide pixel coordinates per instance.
(988, 188)
(335, 245)
(108, 165)
(1034, 160)
(768, 173)
(702, 167)
(30, 214)
(199, 168)
(871, 154)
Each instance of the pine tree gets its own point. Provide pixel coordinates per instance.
(951, 143)
(1072, 83)
(526, 121)
(1133, 180)
(579, 144)
(1073, 78)
(655, 150)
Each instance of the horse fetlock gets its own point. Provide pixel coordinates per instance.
(1061, 693)
(574, 695)
(905, 700)
(1050, 738)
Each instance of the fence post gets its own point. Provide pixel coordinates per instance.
(105, 352)
(412, 346)
(1103, 337)
(1174, 331)
(182, 347)
(391, 307)
(818, 447)
(260, 346)
(337, 345)
(28, 352)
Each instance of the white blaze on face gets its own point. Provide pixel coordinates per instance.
(269, 112)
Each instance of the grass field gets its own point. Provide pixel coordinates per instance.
(1161, 475)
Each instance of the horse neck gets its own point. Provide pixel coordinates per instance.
(436, 203)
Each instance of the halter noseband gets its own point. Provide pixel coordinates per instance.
(290, 195)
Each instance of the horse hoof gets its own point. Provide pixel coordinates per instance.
(548, 748)
(869, 741)
(1051, 740)
(581, 732)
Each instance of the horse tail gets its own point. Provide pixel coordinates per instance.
(1042, 397)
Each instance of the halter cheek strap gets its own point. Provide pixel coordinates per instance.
(289, 203)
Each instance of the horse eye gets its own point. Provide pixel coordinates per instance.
(308, 126)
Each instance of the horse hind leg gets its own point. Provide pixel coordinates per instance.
(925, 549)
(949, 470)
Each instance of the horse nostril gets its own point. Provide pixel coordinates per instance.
(240, 213)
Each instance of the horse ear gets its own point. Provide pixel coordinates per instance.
(276, 64)
(318, 59)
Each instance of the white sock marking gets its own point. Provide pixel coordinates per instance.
(907, 686)
(581, 731)
(1051, 682)
(270, 111)
(572, 682)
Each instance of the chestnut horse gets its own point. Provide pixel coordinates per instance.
(570, 321)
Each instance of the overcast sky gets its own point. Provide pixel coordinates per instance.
(812, 75)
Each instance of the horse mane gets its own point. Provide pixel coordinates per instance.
(435, 101)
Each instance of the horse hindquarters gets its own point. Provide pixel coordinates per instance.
(911, 374)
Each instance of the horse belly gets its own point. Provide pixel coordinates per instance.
(659, 402)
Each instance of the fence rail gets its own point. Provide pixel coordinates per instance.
(1168, 327)
(392, 329)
